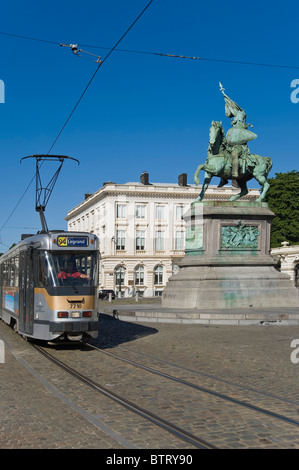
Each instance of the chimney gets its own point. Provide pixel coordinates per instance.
(182, 180)
(144, 178)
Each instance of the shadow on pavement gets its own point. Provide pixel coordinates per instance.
(113, 332)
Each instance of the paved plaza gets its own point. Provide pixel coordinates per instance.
(34, 412)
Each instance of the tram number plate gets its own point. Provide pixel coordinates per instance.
(74, 305)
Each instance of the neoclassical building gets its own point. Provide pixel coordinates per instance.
(141, 230)
(289, 260)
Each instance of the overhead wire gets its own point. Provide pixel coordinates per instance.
(161, 54)
(100, 63)
(78, 101)
(28, 37)
(96, 71)
(179, 56)
(16, 206)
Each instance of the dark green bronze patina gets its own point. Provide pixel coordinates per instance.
(229, 156)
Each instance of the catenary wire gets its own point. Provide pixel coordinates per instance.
(78, 101)
(161, 54)
(96, 71)
(178, 56)
(14, 209)
(19, 36)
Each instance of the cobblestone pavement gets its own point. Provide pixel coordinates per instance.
(43, 408)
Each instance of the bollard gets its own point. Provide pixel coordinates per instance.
(110, 297)
(136, 298)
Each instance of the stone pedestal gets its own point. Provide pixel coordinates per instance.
(227, 262)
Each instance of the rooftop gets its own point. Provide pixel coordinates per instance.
(144, 186)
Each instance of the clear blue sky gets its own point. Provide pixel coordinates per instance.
(142, 111)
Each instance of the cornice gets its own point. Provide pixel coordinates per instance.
(154, 191)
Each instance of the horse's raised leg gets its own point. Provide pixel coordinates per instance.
(196, 174)
(243, 192)
(205, 185)
(265, 185)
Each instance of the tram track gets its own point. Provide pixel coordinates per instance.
(157, 420)
(204, 375)
(205, 390)
(180, 433)
(245, 428)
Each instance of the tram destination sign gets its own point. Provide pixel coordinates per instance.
(74, 242)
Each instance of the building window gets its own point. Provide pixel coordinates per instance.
(139, 275)
(120, 239)
(160, 212)
(140, 240)
(120, 211)
(158, 275)
(159, 240)
(119, 276)
(179, 212)
(179, 240)
(140, 211)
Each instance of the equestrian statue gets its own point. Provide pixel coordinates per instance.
(229, 156)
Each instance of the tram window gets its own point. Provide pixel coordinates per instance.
(14, 272)
(6, 274)
(42, 271)
(16, 282)
(10, 274)
(66, 268)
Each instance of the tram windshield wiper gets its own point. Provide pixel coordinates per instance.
(70, 282)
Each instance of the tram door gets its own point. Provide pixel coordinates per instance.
(26, 304)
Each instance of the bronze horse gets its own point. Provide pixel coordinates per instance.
(219, 163)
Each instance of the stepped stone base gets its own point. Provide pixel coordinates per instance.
(234, 317)
(227, 263)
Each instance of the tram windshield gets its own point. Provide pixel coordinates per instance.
(67, 268)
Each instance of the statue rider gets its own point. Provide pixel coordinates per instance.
(238, 136)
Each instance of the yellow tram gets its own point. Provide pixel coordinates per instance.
(48, 286)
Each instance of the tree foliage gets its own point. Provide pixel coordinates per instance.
(283, 200)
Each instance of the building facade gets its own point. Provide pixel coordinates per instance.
(289, 260)
(141, 230)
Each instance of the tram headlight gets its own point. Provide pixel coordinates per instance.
(75, 314)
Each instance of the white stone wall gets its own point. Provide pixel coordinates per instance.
(98, 214)
(289, 258)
